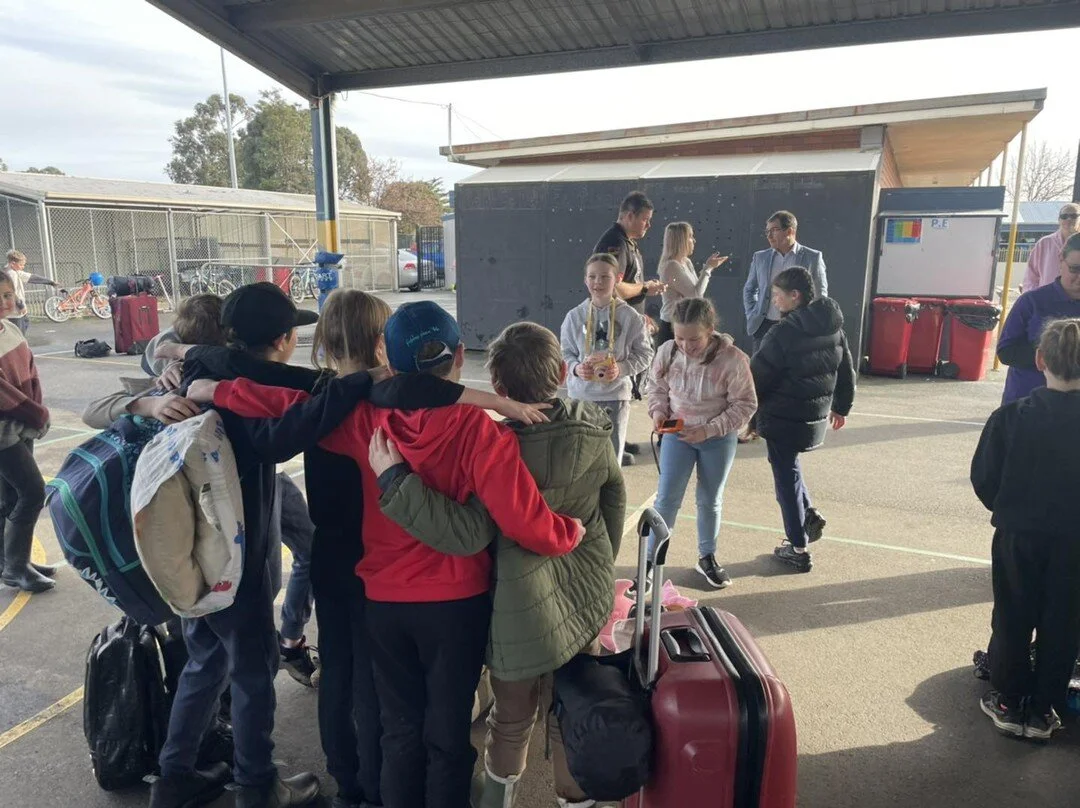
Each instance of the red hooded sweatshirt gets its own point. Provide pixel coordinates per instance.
(457, 450)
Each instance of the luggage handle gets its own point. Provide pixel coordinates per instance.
(650, 520)
(684, 644)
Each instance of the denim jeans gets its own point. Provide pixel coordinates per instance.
(791, 491)
(713, 459)
(297, 532)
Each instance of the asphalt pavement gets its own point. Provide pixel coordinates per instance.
(875, 644)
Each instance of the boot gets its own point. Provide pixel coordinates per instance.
(201, 787)
(499, 792)
(303, 789)
(17, 569)
(48, 570)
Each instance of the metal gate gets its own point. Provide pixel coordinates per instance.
(429, 255)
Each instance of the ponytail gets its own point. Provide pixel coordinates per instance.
(1060, 348)
(797, 279)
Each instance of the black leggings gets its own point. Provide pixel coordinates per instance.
(22, 489)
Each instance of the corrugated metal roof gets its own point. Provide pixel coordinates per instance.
(723, 166)
(90, 191)
(1040, 212)
(321, 46)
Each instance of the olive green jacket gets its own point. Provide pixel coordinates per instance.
(546, 609)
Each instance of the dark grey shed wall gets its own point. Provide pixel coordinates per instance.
(521, 247)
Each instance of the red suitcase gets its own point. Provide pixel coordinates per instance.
(725, 730)
(135, 322)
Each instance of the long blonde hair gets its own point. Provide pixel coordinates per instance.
(350, 327)
(676, 242)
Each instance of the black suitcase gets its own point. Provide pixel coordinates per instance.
(125, 285)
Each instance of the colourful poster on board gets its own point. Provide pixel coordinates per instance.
(903, 231)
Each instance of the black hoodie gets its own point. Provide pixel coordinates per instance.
(802, 371)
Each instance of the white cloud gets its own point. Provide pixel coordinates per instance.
(97, 86)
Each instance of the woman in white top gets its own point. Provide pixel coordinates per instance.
(677, 271)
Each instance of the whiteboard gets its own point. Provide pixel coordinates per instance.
(943, 256)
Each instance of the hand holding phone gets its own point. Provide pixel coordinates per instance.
(671, 425)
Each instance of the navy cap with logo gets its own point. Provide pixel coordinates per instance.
(415, 325)
(259, 313)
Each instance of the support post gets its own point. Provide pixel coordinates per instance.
(1076, 179)
(1014, 224)
(46, 241)
(1004, 164)
(326, 184)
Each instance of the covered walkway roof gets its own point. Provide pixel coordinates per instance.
(936, 141)
(316, 47)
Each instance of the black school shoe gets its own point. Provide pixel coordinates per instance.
(1041, 727)
(201, 787)
(814, 524)
(632, 591)
(303, 789)
(1008, 718)
(715, 575)
(802, 562)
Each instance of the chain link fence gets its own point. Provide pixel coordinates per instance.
(171, 246)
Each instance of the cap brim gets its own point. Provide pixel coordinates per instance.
(306, 317)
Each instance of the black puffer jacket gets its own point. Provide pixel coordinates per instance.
(802, 371)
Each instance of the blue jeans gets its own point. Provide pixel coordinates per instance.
(713, 459)
(791, 491)
(236, 646)
(297, 532)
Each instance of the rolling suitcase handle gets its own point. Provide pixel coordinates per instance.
(650, 520)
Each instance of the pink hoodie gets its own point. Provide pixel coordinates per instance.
(719, 394)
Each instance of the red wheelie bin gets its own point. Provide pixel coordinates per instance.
(971, 334)
(892, 321)
(924, 354)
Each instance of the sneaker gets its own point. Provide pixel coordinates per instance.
(632, 448)
(714, 574)
(814, 525)
(628, 459)
(802, 562)
(632, 591)
(1041, 727)
(299, 663)
(1008, 719)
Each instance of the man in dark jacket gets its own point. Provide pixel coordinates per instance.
(805, 380)
(620, 240)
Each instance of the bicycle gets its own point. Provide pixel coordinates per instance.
(64, 305)
(209, 280)
(300, 284)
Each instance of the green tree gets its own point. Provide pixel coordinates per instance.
(437, 187)
(415, 200)
(354, 174)
(3, 165)
(200, 145)
(46, 170)
(276, 148)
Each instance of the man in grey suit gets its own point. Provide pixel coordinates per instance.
(784, 252)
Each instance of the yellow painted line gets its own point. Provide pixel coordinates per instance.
(49, 713)
(37, 555)
(127, 365)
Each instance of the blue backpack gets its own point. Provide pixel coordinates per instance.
(89, 501)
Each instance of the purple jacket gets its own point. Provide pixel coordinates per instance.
(1023, 327)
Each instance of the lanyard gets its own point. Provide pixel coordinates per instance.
(590, 329)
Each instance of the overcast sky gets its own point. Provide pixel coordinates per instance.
(95, 87)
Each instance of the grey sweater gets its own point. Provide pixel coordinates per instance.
(632, 350)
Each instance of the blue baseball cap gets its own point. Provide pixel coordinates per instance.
(415, 325)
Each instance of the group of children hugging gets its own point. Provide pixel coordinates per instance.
(445, 541)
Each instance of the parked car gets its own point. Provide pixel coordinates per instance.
(408, 276)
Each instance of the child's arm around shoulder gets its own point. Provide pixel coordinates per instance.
(498, 475)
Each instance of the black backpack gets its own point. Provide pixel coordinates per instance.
(124, 285)
(131, 677)
(125, 707)
(606, 725)
(92, 348)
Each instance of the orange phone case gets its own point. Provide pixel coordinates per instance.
(668, 430)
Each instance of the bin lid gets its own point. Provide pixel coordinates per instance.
(975, 307)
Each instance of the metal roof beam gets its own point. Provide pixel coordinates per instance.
(271, 14)
(858, 32)
(299, 78)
